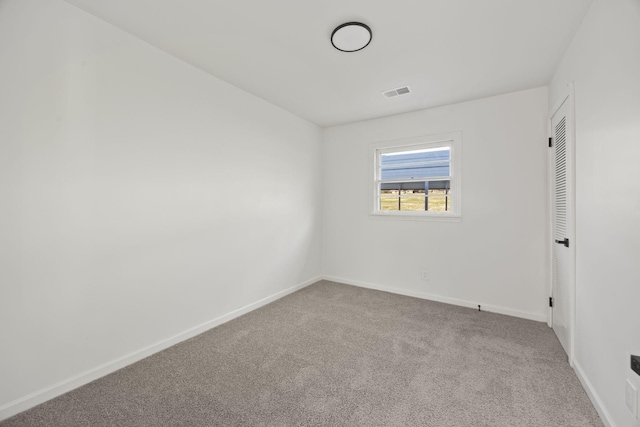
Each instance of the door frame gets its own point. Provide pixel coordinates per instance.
(569, 98)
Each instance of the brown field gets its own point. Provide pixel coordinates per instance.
(409, 202)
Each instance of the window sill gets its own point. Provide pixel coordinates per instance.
(411, 216)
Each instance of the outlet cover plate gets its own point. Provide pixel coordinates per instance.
(631, 399)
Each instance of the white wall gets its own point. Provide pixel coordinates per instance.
(604, 62)
(139, 196)
(496, 256)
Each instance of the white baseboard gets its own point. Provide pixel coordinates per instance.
(40, 396)
(591, 392)
(538, 317)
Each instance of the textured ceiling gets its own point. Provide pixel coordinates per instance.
(446, 50)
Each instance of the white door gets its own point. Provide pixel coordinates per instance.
(563, 227)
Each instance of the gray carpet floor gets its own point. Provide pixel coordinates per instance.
(337, 355)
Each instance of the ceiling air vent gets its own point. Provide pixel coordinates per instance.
(396, 92)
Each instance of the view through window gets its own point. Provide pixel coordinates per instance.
(416, 178)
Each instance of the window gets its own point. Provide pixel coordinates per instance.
(417, 177)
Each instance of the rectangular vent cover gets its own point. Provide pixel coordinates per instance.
(396, 92)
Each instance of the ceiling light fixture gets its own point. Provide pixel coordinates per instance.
(351, 37)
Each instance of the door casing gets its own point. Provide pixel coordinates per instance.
(571, 214)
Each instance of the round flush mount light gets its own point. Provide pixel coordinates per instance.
(351, 37)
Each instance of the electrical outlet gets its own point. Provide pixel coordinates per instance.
(631, 399)
(424, 274)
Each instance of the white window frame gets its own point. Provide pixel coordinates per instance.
(452, 140)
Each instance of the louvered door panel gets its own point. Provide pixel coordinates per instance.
(561, 179)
